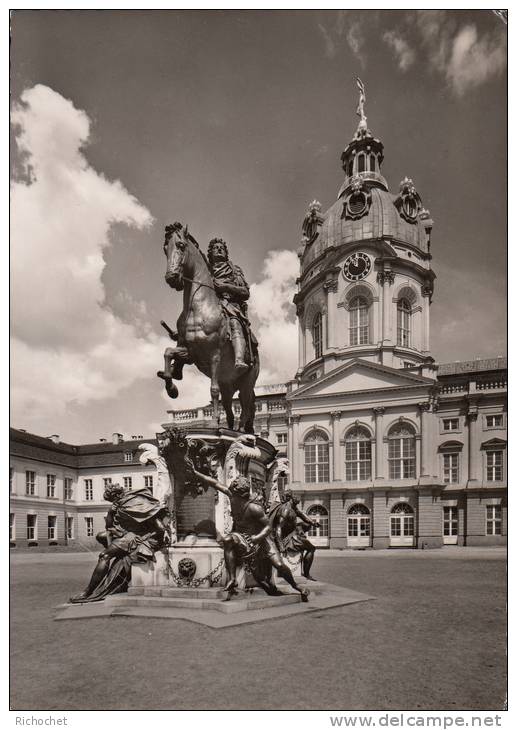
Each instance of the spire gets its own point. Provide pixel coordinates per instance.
(362, 128)
(363, 156)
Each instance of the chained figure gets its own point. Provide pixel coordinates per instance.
(250, 540)
(289, 527)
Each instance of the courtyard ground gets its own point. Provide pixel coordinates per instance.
(434, 639)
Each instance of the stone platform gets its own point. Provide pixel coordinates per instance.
(207, 605)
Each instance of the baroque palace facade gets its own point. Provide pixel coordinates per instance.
(386, 447)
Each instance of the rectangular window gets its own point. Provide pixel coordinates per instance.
(358, 460)
(107, 482)
(494, 466)
(451, 468)
(451, 424)
(148, 481)
(68, 488)
(51, 485)
(316, 462)
(495, 421)
(281, 438)
(52, 527)
(31, 527)
(89, 526)
(10, 480)
(88, 490)
(128, 456)
(493, 519)
(450, 521)
(11, 526)
(30, 483)
(401, 457)
(128, 482)
(70, 528)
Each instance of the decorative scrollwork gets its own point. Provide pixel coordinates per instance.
(358, 201)
(408, 202)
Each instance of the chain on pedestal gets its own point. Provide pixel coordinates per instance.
(213, 577)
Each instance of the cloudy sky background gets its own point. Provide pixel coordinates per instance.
(231, 122)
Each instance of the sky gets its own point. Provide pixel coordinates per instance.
(232, 122)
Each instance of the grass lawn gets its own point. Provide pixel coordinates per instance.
(434, 639)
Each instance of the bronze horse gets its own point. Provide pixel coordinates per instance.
(202, 332)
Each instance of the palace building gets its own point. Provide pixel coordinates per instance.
(387, 448)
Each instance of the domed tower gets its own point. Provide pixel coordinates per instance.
(366, 281)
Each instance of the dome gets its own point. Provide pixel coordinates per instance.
(373, 213)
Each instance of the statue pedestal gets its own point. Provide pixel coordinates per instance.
(182, 565)
(196, 560)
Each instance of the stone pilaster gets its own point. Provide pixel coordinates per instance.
(386, 279)
(425, 434)
(330, 288)
(379, 471)
(296, 466)
(336, 447)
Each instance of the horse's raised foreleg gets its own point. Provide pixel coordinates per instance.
(174, 360)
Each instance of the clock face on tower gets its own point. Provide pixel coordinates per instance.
(357, 266)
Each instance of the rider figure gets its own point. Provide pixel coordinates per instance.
(232, 289)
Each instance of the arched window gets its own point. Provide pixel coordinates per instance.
(403, 323)
(316, 451)
(359, 324)
(358, 455)
(372, 163)
(402, 452)
(350, 168)
(402, 521)
(358, 521)
(361, 163)
(317, 335)
(320, 513)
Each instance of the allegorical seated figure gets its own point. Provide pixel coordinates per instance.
(289, 525)
(250, 539)
(233, 291)
(135, 529)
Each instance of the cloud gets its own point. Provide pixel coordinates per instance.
(271, 307)
(330, 46)
(465, 57)
(474, 60)
(355, 39)
(67, 345)
(403, 52)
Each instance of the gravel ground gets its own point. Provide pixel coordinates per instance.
(434, 639)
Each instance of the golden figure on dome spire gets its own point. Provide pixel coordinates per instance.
(362, 128)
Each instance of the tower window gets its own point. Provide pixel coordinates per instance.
(317, 335)
(350, 168)
(361, 163)
(372, 163)
(359, 321)
(403, 322)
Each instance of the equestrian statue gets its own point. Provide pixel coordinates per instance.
(213, 330)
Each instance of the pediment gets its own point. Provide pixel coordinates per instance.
(357, 376)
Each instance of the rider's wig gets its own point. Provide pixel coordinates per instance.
(211, 246)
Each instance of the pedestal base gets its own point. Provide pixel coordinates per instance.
(183, 565)
(206, 605)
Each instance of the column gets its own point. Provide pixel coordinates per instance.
(290, 446)
(295, 466)
(379, 442)
(301, 336)
(331, 290)
(472, 417)
(426, 295)
(425, 434)
(386, 279)
(336, 450)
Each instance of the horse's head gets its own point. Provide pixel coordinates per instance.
(175, 249)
